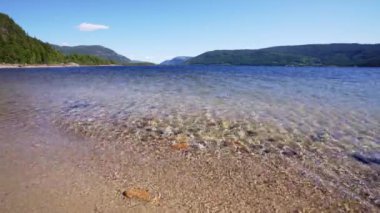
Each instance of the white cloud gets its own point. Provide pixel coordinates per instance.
(91, 27)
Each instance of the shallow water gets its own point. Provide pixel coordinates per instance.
(327, 119)
(345, 102)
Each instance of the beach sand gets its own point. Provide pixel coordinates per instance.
(8, 66)
(4, 66)
(45, 169)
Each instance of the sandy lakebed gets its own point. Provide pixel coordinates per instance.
(141, 140)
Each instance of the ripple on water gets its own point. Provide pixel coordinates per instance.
(325, 119)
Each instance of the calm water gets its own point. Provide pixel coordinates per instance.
(325, 121)
(343, 102)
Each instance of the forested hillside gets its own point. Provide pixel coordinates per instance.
(17, 47)
(365, 55)
(93, 50)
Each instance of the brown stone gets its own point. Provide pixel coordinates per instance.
(180, 146)
(138, 193)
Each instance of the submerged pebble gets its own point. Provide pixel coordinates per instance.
(369, 158)
(80, 104)
(321, 136)
(289, 152)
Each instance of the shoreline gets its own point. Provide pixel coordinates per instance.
(175, 179)
(15, 66)
(77, 141)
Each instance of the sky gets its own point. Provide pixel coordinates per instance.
(155, 30)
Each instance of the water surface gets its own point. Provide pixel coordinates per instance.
(324, 119)
(345, 102)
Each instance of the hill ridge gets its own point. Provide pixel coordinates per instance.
(93, 50)
(334, 54)
(17, 47)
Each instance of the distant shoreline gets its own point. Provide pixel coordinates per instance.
(21, 66)
(9, 66)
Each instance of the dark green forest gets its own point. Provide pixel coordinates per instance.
(17, 47)
(361, 55)
(93, 50)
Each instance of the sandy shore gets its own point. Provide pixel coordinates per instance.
(57, 173)
(53, 170)
(7, 66)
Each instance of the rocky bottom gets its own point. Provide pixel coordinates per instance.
(197, 161)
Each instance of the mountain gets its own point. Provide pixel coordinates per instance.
(181, 60)
(17, 47)
(94, 50)
(140, 63)
(365, 55)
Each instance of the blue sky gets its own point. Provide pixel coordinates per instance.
(155, 30)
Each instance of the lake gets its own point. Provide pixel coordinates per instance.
(325, 120)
